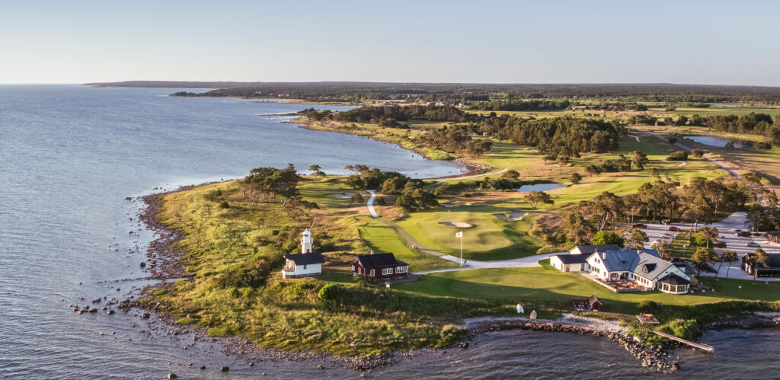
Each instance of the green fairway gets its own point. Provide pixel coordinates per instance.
(382, 238)
(548, 284)
(489, 238)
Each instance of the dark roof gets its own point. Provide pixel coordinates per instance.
(774, 260)
(572, 259)
(306, 258)
(673, 279)
(379, 260)
(588, 249)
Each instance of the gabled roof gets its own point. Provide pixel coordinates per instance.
(774, 260)
(572, 259)
(588, 249)
(306, 258)
(645, 262)
(379, 260)
(673, 279)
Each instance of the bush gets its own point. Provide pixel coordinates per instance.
(679, 155)
(224, 204)
(697, 153)
(649, 307)
(682, 328)
(763, 145)
(220, 332)
(450, 334)
(328, 293)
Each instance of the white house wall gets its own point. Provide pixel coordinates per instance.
(310, 270)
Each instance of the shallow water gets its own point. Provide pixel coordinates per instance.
(715, 141)
(69, 155)
(539, 187)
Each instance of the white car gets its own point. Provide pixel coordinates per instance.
(752, 244)
(666, 236)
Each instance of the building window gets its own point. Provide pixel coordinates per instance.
(304, 267)
(400, 270)
(372, 272)
(387, 271)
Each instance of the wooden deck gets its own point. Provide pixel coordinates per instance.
(700, 346)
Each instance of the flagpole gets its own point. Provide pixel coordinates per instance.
(461, 249)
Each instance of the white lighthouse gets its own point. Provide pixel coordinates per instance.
(304, 264)
(306, 242)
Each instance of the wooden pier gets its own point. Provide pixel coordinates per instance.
(700, 346)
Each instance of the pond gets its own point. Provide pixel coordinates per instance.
(539, 187)
(715, 141)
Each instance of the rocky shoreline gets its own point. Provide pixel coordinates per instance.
(656, 356)
(163, 264)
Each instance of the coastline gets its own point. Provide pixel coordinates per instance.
(472, 168)
(163, 265)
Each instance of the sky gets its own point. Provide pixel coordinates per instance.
(484, 41)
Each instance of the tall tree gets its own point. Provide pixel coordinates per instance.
(637, 239)
(536, 197)
(702, 258)
(729, 257)
(760, 259)
(639, 159)
(317, 171)
(664, 249)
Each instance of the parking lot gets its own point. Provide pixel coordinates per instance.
(726, 227)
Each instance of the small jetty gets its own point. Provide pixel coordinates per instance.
(701, 346)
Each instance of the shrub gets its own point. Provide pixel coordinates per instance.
(682, 328)
(763, 145)
(607, 237)
(649, 307)
(679, 155)
(697, 153)
(186, 321)
(220, 332)
(450, 334)
(328, 293)
(224, 204)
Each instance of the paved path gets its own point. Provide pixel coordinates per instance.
(370, 204)
(636, 137)
(523, 262)
(471, 176)
(725, 167)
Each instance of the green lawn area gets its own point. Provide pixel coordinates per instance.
(383, 238)
(489, 238)
(682, 245)
(548, 284)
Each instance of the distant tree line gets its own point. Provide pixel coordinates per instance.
(514, 104)
(386, 115)
(560, 138)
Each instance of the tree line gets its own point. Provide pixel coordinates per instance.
(701, 201)
(560, 138)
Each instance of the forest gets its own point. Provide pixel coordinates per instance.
(467, 93)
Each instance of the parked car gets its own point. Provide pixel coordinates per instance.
(673, 228)
(719, 244)
(743, 234)
(737, 231)
(752, 244)
(666, 236)
(639, 225)
(665, 221)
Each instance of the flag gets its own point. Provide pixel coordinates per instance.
(459, 234)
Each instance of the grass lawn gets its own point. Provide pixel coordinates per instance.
(382, 238)
(489, 238)
(549, 284)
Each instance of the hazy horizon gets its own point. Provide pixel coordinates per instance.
(493, 42)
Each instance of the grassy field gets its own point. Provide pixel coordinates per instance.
(547, 283)
(382, 238)
(489, 238)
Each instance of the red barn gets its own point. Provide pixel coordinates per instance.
(379, 266)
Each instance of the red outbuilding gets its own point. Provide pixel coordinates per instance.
(379, 266)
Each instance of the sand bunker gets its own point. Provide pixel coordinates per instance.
(345, 195)
(513, 216)
(456, 224)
